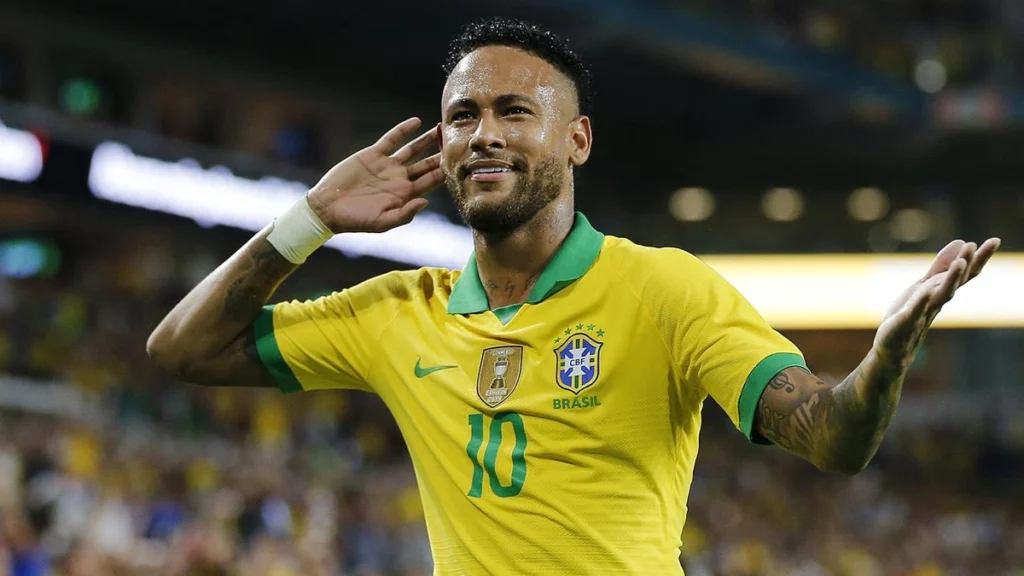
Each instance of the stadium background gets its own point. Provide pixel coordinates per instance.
(143, 142)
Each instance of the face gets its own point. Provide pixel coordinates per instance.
(510, 135)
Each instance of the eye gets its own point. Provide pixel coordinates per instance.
(461, 115)
(516, 110)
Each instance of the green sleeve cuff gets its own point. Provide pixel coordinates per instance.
(270, 354)
(757, 381)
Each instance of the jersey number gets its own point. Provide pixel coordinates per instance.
(476, 426)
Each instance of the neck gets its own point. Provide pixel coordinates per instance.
(510, 264)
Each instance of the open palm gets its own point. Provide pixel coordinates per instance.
(381, 186)
(908, 319)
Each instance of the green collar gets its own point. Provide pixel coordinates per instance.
(571, 261)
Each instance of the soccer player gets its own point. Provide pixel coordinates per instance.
(550, 392)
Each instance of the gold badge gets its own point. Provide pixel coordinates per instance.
(500, 368)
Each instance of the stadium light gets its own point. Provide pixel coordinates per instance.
(930, 76)
(28, 258)
(216, 196)
(80, 96)
(853, 291)
(21, 155)
(782, 204)
(867, 204)
(691, 204)
(911, 225)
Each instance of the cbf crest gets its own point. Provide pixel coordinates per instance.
(578, 358)
(500, 369)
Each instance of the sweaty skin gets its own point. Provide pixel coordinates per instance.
(506, 105)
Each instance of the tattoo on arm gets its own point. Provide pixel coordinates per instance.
(827, 425)
(244, 296)
(238, 365)
(788, 416)
(247, 342)
(201, 338)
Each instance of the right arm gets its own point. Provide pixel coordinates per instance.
(208, 339)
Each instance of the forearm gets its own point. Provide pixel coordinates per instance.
(838, 428)
(862, 407)
(218, 310)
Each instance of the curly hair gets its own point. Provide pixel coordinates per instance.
(529, 38)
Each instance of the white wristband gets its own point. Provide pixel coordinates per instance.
(298, 232)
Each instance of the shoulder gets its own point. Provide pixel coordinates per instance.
(385, 293)
(652, 268)
(407, 285)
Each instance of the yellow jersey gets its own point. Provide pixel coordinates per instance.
(555, 437)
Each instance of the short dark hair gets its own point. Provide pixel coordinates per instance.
(527, 37)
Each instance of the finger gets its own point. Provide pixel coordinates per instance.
(947, 287)
(944, 258)
(404, 214)
(424, 166)
(918, 303)
(967, 255)
(982, 256)
(414, 149)
(968, 250)
(393, 138)
(428, 182)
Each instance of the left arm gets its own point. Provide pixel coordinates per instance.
(839, 428)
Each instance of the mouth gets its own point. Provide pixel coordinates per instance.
(488, 171)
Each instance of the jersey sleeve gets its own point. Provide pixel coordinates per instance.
(719, 342)
(325, 343)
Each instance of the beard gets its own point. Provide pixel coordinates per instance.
(531, 194)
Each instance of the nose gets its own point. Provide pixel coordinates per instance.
(488, 134)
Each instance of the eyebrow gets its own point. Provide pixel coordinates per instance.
(503, 100)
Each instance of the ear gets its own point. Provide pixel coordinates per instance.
(440, 137)
(580, 140)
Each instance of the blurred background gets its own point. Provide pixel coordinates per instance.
(816, 152)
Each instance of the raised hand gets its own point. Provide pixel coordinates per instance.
(908, 319)
(381, 186)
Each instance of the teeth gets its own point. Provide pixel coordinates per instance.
(489, 170)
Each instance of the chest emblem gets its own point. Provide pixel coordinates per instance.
(500, 369)
(578, 359)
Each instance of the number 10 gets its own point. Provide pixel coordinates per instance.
(476, 424)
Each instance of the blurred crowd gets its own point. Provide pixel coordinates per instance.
(84, 500)
(150, 476)
(942, 501)
(78, 501)
(158, 477)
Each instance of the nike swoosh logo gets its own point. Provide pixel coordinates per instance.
(421, 372)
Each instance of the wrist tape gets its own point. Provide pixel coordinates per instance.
(298, 232)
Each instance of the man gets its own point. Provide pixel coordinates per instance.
(550, 393)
